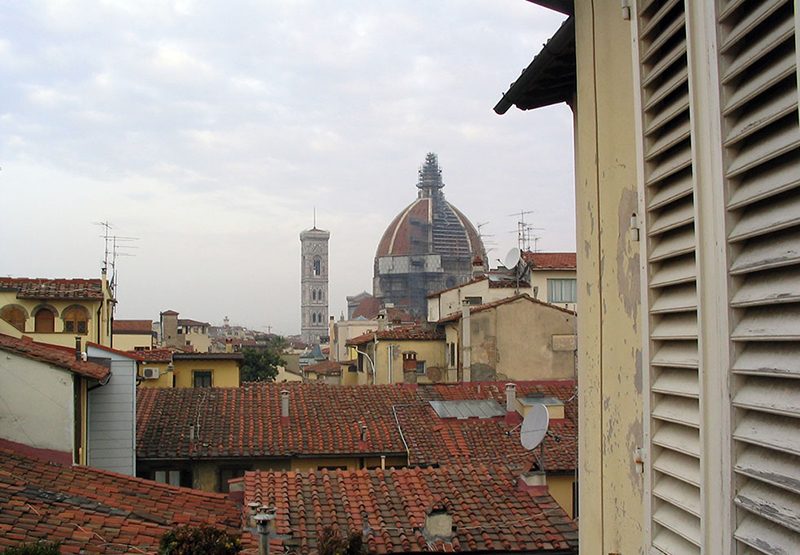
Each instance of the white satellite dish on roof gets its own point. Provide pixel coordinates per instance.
(534, 427)
(512, 258)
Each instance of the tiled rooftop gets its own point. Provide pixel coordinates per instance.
(94, 511)
(57, 288)
(63, 357)
(389, 507)
(133, 326)
(154, 355)
(457, 316)
(246, 422)
(325, 367)
(550, 260)
(188, 322)
(405, 332)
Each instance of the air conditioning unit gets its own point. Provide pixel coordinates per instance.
(150, 373)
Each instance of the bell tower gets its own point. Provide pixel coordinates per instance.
(314, 285)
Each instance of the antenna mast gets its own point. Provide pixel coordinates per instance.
(523, 231)
(112, 251)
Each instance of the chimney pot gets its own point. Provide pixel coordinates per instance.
(511, 397)
(284, 403)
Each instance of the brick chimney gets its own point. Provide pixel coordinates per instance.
(409, 367)
(228, 345)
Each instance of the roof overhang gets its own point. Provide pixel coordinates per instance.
(551, 76)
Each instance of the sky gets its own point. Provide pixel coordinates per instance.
(208, 134)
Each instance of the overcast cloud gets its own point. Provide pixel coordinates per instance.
(210, 131)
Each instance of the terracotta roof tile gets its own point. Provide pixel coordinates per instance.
(63, 357)
(405, 332)
(133, 326)
(550, 260)
(246, 422)
(95, 511)
(457, 316)
(188, 322)
(389, 507)
(154, 355)
(325, 367)
(58, 288)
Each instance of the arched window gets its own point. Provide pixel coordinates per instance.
(15, 316)
(313, 294)
(44, 321)
(317, 267)
(76, 320)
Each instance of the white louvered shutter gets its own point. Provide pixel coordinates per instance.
(674, 415)
(759, 98)
(724, 466)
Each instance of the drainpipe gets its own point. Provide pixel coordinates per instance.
(370, 361)
(389, 351)
(466, 342)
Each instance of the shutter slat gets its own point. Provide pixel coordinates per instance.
(679, 466)
(747, 24)
(766, 537)
(769, 431)
(679, 526)
(678, 438)
(676, 326)
(767, 217)
(666, 114)
(672, 381)
(663, 37)
(771, 287)
(678, 243)
(678, 493)
(761, 183)
(674, 271)
(767, 113)
(679, 298)
(783, 137)
(672, 216)
(665, 60)
(656, 18)
(678, 160)
(771, 395)
(770, 503)
(668, 139)
(677, 188)
(754, 52)
(779, 469)
(768, 252)
(775, 323)
(678, 410)
(768, 76)
(679, 354)
(773, 359)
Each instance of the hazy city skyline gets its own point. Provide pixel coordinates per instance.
(210, 132)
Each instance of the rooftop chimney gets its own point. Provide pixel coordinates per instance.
(511, 397)
(78, 349)
(534, 482)
(284, 404)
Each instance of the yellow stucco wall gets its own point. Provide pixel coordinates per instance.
(431, 351)
(165, 375)
(304, 465)
(98, 325)
(560, 487)
(225, 372)
(539, 284)
(130, 341)
(610, 365)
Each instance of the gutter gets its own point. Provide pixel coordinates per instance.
(538, 66)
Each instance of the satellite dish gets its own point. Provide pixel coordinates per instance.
(534, 427)
(512, 258)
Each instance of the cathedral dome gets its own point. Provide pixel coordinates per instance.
(429, 246)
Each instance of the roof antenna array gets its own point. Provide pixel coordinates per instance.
(523, 231)
(113, 246)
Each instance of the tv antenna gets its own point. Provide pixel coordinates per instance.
(114, 246)
(523, 231)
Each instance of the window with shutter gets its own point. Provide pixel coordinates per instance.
(673, 422)
(759, 98)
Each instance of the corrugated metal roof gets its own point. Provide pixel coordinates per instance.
(467, 409)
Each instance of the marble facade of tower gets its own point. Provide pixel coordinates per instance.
(314, 285)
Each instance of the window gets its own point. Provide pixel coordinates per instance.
(317, 267)
(229, 473)
(313, 294)
(452, 360)
(171, 477)
(14, 316)
(76, 320)
(562, 290)
(420, 367)
(44, 321)
(202, 378)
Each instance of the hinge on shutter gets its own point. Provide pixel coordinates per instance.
(634, 228)
(626, 10)
(639, 459)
